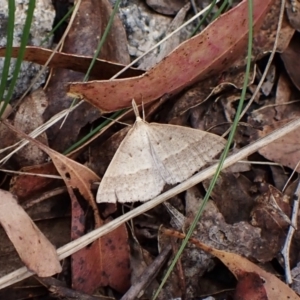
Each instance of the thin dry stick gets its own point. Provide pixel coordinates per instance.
(55, 50)
(31, 174)
(264, 75)
(85, 240)
(291, 176)
(148, 275)
(163, 40)
(38, 131)
(45, 196)
(293, 226)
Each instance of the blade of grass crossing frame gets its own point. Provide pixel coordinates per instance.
(225, 5)
(92, 133)
(57, 25)
(212, 5)
(103, 38)
(8, 52)
(24, 40)
(224, 154)
(99, 47)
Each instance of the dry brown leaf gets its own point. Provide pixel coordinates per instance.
(292, 12)
(196, 59)
(291, 62)
(239, 265)
(250, 287)
(283, 95)
(286, 150)
(83, 39)
(74, 174)
(24, 186)
(105, 262)
(102, 69)
(35, 250)
(271, 212)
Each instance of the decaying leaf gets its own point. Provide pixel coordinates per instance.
(293, 13)
(196, 59)
(35, 250)
(290, 60)
(74, 174)
(105, 262)
(240, 266)
(286, 150)
(271, 212)
(83, 39)
(24, 186)
(102, 69)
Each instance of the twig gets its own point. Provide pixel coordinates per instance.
(148, 275)
(270, 60)
(293, 226)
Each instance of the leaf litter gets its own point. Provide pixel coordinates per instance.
(248, 214)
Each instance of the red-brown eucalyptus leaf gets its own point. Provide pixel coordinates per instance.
(204, 55)
(105, 262)
(34, 249)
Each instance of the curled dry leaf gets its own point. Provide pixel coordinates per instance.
(240, 266)
(80, 63)
(83, 38)
(73, 173)
(204, 55)
(35, 250)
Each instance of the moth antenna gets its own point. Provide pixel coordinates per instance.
(135, 109)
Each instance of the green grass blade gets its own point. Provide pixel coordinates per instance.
(99, 47)
(57, 25)
(103, 38)
(8, 52)
(212, 5)
(224, 154)
(225, 5)
(24, 40)
(93, 132)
